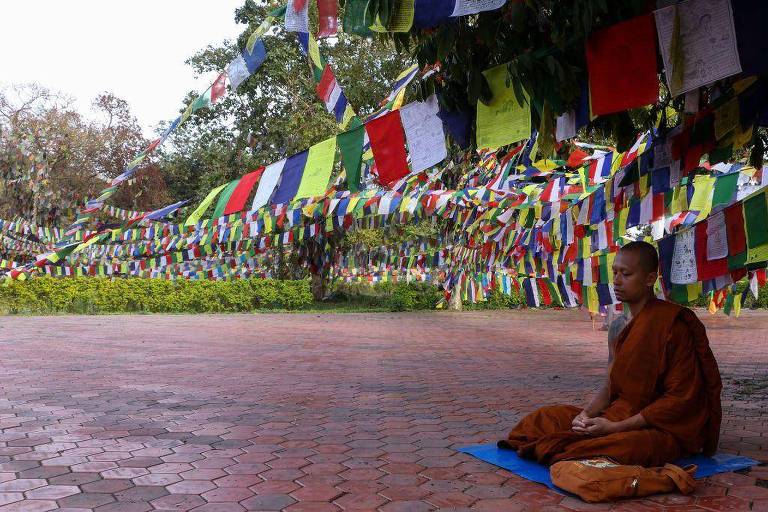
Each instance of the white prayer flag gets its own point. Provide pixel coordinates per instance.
(717, 239)
(684, 269)
(267, 184)
(424, 133)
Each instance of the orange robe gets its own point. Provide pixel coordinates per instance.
(663, 369)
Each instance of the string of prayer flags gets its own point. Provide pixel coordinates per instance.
(318, 169)
(394, 100)
(424, 133)
(165, 211)
(503, 121)
(269, 179)
(327, 14)
(211, 96)
(706, 43)
(246, 64)
(351, 147)
(388, 146)
(328, 88)
(241, 193)
(621, 62)
(330, 93)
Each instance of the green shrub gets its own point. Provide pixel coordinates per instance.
(388, 296)
(90, 295)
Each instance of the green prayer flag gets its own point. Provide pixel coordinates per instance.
(318, 169)
(756, 220)
(725, 189)
(351, 146)
(356, 19)
(200, 210)
(224, 198)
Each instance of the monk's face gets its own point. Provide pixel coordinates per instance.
(631, 280)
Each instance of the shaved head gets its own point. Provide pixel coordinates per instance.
(646, 253)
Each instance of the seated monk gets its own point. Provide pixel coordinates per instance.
(661, 400)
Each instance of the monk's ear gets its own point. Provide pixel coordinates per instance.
(651, 279)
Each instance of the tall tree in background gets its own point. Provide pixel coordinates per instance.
(52, 158)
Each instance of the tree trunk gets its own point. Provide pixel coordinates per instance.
(455, 303)
(317, 286)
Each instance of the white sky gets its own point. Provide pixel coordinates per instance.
(135, 49)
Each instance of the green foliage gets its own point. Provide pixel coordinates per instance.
(499, 300)
(388, 296)
(97, 296)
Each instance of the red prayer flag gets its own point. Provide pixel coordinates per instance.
(388, 145)
(243, 189)
(219, 88)
(576, 158)
(621, 60)
(327, 11)
(706, 268)
(298, 5)
(734, 228)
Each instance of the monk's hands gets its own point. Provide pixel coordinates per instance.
(600, 426)
(578, 424)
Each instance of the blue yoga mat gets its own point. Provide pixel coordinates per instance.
(531, 470)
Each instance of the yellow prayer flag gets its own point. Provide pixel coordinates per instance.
(703, 187)
(503, 121)
(318, 169)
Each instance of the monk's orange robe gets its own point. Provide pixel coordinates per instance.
(663, 369)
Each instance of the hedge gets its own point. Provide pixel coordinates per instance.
(387, 296)
(89, 295)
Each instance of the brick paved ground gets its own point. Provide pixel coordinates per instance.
(318, 412)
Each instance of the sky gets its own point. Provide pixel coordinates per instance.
(135, 49)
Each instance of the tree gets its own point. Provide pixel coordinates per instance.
(52, 159)
(276, 113)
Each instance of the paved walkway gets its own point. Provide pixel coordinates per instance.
(319, 412)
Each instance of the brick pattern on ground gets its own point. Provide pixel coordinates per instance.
(330, 412)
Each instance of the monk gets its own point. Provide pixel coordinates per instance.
(661, 399)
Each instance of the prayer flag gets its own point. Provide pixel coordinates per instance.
(734, 222)
(224, 198)
(466, 7)
(327, 13)
(317, 170)
(621, 61)
(431, 13)
(246, 64)
(297, 16)
(240, 195)
(290, 178)
(202, 207)
(725, 189)
(269, 179)
(707, 268)
(504, 120)
(756, 220)
(388, 145)
(424, 133)
(329, 91)
(351, 146)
